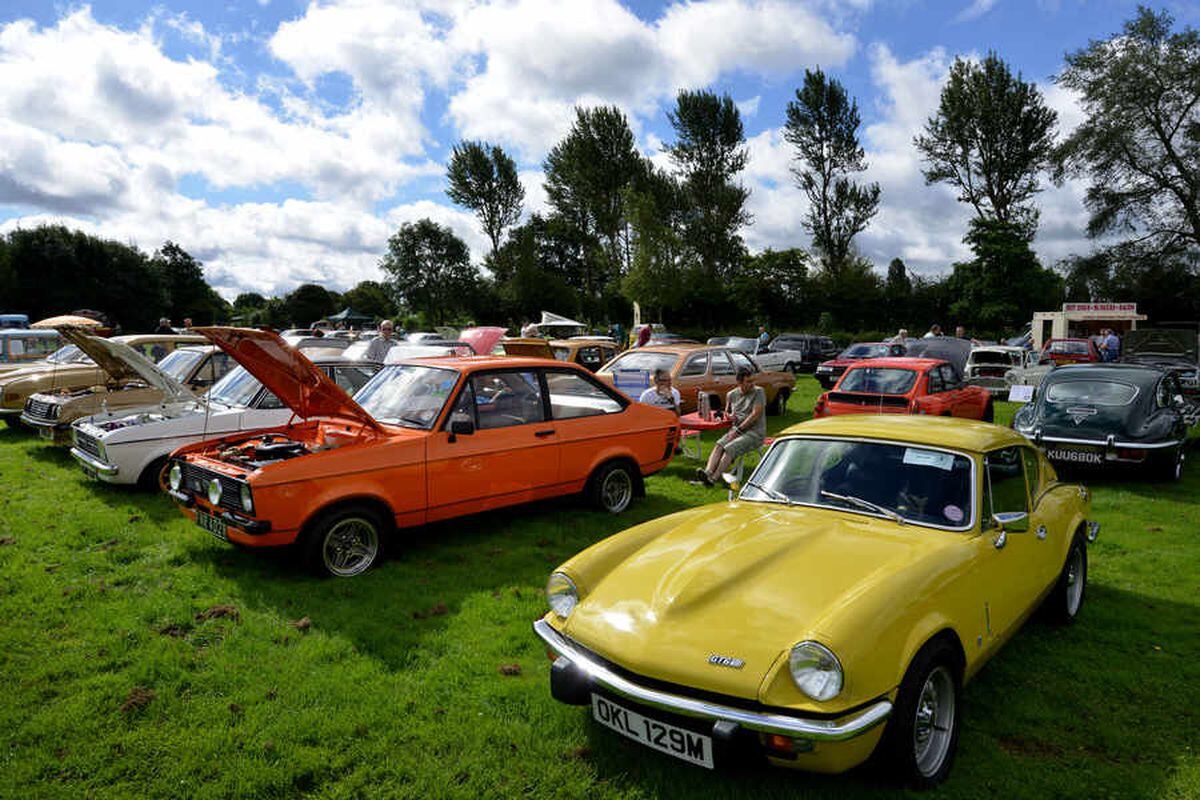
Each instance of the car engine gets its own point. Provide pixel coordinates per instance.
(263, 450)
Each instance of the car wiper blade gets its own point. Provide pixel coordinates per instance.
(772, 493)
(420, 423)
(867, 504)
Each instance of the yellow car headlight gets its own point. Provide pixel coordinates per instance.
(816, 670)
(562, 595)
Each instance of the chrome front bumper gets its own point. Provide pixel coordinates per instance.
(1110, 443)
(39, 423)
(89, 461)
(833, 730)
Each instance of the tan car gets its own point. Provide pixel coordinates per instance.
(695, 368)
(81, 372)
(589, 352)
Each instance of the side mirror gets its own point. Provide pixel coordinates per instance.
(1011, 521)
(461, 427)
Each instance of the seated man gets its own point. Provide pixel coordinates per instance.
(662, 393)
(746, 407)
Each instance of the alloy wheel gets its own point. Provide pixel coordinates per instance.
(617, 491)
(350, 547)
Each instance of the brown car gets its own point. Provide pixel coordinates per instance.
(695, 368)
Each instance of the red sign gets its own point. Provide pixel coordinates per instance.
(1125, 308)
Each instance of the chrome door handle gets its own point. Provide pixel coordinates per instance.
(1000, 540)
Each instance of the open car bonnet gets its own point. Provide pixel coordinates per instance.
(1172, 342)
(122, 363)
(288, 374)
(482, 339)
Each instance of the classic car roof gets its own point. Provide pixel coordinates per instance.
(676, 349)
(1139, 374)
(1002, 348)
(955, 433)
(898, 362)
(143, 338)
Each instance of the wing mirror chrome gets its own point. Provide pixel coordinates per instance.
(1011, 521)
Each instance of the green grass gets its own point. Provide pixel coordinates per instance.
(396, 688)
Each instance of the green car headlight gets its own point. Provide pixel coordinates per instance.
(816, 670)
(247, 499)
(562, 595)
(214, 491)
(175, 477)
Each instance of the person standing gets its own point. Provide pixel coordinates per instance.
(746, 405)
(1112, 346)
(934, 332)
(187, 323)
(380, 345)
(764, 338)
(643, 336)
(164, 326)
(900, 338)
(662, 394)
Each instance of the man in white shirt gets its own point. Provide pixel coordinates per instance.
(379, 346)
(662, 393)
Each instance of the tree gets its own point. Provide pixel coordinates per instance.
(370, 297)
(707, 154)
(484, 178)
(897, 293)
(187, 294)
(430, 270)
(822, 124)
(308, 303)
(657, 209)
(772, 288)
(1140, 143)
(991, 138)
(249, 300)
(996, 290)
(588, 172)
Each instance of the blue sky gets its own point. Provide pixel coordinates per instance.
(282, 141)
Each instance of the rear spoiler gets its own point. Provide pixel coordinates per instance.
(868, 400)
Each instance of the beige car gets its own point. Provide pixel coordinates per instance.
(77, 371)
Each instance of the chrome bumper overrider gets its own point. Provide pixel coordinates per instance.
(91, 462)
(834, 730)
(1093, 531)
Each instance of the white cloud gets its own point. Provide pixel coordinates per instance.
(976, 9)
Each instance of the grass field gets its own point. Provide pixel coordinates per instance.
(140, 657)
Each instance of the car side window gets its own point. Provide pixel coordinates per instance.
(1031, 470)
(935, 381)
(505, 399)
(696, 365)
(572, 395)
(742, 360)
(590, 358)
(464, 407)
(720, 364)
(268, 400)
(1004, 482)
(950, 378)
(352, 378)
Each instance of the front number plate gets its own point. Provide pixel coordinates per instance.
(1075, 456)
(212, 524)
(679, 742)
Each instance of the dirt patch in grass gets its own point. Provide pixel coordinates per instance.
(138, 698)
(223, 611)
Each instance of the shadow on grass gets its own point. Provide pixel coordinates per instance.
(428, 571)
(1061, 712)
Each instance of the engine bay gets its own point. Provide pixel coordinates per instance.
(262, 450)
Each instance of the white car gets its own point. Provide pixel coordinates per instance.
(767, 359)
(988, 366)
(130, 447)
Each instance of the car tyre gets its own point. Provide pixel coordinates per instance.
(1066, 598)
(989, 411)
(921, 737)
(154, 476)
(612, 487)
(344, 542)
(791, 367)
(1171, 467)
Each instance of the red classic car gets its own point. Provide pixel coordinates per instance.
(1070, 351)
(828, 372)
(905, 386)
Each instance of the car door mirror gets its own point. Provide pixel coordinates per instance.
(461, 426)
(1011, 521)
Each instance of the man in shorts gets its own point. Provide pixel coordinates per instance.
(746, 406)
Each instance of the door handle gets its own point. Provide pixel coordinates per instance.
(540, 434)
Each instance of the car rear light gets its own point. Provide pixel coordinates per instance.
(1130, 454)
(672, 440)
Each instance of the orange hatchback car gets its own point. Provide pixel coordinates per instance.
(428, 439)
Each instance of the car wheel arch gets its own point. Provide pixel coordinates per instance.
(374, 502)
(934, 629)
(611, 457)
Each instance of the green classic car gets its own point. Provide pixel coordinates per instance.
(1102, 416)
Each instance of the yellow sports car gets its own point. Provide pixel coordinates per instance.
(866, 570)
